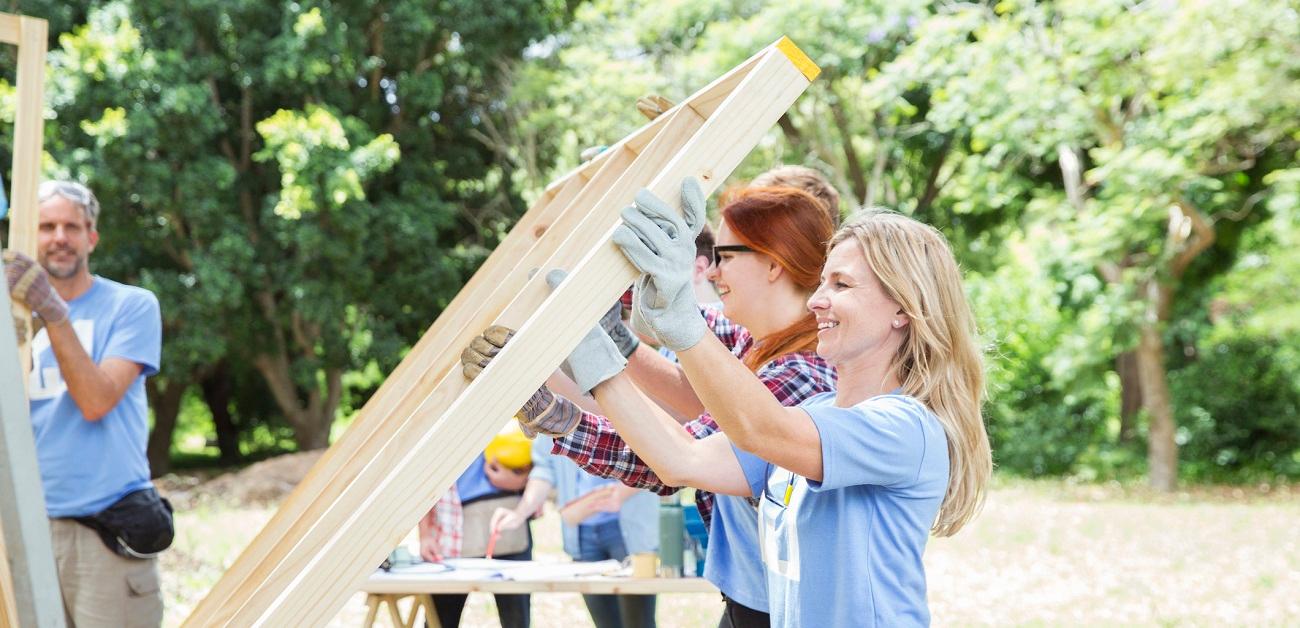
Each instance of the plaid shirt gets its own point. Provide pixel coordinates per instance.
(599, 450)
(448, 522)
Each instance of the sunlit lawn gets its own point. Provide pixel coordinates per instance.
(1042, 553)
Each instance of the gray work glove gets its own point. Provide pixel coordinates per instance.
(544, 412)
(624, 339)
(596, 358)
(660, 242)
(29, 284)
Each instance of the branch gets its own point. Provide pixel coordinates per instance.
(1072, 175)
(301, 334)
(853, 166)
(790, 131)
(1110, 271)
(245, 130)
(878, 167)
(1188, 229)
(932, 185)
(275, 370)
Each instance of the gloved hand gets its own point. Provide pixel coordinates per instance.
(596, 358)
(624, 339)
(660, 242)
(29, 284)
(544, 412)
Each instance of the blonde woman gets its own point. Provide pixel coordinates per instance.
(851, 482)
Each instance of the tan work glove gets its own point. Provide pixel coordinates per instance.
(29, 284)
(544, 412)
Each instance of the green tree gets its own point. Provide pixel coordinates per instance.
(302, 183)
(1165, 140)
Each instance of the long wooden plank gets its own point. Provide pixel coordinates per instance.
(373, 449)
(473, 319)
(29, 551)
(329, 475)
(371, 421)
(34, 584)
(549, 326)
(378, 409)
(243, 579)
(10, 29)
(28, 134)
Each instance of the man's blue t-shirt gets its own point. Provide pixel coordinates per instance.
(86, 466)
(586, 484)
(847, 551)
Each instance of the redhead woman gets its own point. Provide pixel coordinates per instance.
(770, 249)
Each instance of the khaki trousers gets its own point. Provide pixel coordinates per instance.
(101, 588)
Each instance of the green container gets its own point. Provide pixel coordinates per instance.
(672, 535)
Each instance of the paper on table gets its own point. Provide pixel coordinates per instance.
(554, 571)
(488, 569)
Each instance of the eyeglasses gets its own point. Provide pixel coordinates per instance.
(728, 248)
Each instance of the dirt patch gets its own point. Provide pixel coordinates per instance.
(260, 484)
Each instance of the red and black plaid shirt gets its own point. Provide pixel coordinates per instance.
(600, 451)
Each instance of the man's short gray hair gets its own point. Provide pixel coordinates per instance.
(75, 193)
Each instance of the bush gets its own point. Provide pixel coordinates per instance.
(1049, 395)
(1238, 407)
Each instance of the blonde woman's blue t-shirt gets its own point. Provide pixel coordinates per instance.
(847, 551)
(86, 466)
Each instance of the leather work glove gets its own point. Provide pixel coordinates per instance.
(624, 339)
(29, 284)
(660, 242)
(544, 412)
(597, 357)
(653, 105)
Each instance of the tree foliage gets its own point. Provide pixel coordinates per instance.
(1099, 166)
(306, 184)
(300, 182)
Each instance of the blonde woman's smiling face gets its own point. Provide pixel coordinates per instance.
(856, 319)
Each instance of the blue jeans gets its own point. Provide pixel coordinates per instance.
(513, 610)
(603, 542)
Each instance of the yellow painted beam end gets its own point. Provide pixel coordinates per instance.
(798, 58)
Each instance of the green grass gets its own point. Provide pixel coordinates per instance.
(1042, 553)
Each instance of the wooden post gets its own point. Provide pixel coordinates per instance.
(706, 137)
(384, 417)
(34, 585)
(377, 421)
(29, 585)
(29, 34)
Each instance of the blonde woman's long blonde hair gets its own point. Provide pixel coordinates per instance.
(939, 361)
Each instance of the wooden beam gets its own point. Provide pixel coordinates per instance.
(11, 29)
(336, 556)
(372, 419)
(378, 411)
(29, 585)
(28, 134)
(385, 416)
(34, 585)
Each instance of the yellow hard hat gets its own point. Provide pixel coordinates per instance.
(510, 447)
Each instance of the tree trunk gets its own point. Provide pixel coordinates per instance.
(852, 163)
(310, 421)
(166, 404)
(1130, 395)
(1162, 449)
(791, 132)
(216, 388)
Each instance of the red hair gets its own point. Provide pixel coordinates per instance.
(792, 227)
